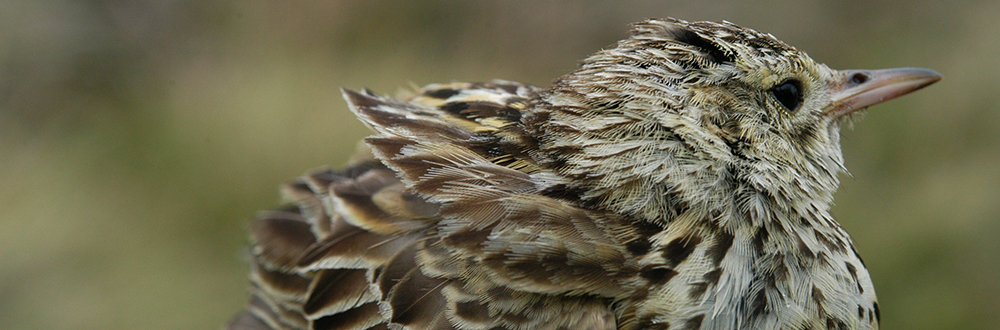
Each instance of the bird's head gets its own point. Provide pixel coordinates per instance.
(673, 116)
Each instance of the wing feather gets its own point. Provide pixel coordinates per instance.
(496, 233)
(448, 227)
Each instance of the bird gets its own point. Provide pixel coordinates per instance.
(681, 178)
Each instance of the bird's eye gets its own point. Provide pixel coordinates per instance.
(789, 94)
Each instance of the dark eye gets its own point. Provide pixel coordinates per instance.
(789, 94)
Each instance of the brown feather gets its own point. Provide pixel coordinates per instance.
(668, 183)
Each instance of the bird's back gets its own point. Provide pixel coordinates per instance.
(356, 248)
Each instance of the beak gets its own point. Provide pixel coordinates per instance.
(859, 89)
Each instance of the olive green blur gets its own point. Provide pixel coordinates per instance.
(137, 138)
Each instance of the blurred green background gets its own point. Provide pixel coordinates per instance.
(138, 137)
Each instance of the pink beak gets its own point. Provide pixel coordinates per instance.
(862, 88)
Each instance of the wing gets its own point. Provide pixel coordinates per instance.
(450, 226)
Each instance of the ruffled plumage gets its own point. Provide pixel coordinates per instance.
(663, 185)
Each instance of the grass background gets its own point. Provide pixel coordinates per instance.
(138, 137)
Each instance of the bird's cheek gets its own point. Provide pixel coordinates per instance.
(833, 134)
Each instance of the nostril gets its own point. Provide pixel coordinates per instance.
(859, 78)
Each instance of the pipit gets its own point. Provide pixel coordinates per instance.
(681, 179)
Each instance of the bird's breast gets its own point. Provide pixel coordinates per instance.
(779, 275)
